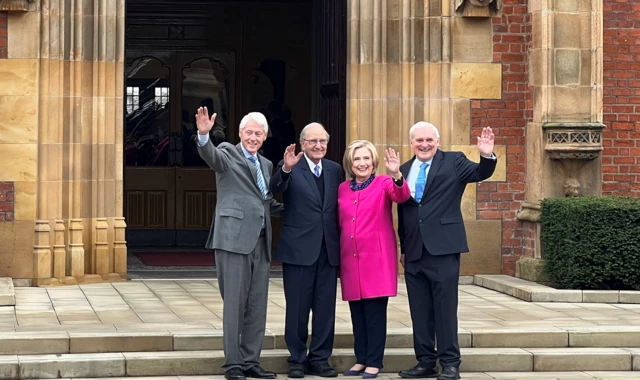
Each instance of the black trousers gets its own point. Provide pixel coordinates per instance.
(432, 287)
(369, 319)
(306, 289)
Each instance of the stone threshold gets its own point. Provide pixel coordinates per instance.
(185, 363)
(533, 292)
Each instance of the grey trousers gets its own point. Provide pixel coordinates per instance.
(244, 284)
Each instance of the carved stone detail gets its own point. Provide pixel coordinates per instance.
(529, 212)
(477, 8)
(15, 5)
(571, 188)
(176, 32)
(573, 141)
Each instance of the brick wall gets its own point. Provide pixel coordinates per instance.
(3, 34)
(621, 155)
(6, 201)
(508, 118)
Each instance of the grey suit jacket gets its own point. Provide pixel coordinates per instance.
(240, 208)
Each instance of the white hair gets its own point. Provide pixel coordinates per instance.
(303, 133)
(423, 124)
(256, 117)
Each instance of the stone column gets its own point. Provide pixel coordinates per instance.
(412, 60)
(80, 132)
(564, 139)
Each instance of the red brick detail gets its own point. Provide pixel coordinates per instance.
(508, 118)
(3, 34)
(6, 201)
(529, 235)
(621, 92)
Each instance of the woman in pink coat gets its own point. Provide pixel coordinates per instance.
(368, 250)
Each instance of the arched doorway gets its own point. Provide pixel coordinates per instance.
(284, 58)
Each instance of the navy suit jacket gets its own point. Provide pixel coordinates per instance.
(307, 218)
(436, 222)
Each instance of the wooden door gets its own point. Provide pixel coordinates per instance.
(150, 130)
(206, 79)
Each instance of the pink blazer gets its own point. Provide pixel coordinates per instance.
(368, 248)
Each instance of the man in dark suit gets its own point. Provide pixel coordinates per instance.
(309, 250)
(432, 236)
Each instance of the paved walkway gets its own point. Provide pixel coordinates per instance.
(188, 304)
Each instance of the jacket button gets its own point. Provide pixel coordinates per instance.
(420, 221)
(354, 255)
(353, 219)
(351, 236)
(355, 201)
(420, 205)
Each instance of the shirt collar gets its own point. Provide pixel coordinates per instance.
(311, 164)
(246, 152)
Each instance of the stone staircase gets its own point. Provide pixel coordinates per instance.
(555, 346)
(101, 354)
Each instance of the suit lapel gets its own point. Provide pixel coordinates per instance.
(310, 177)
(404, 169)
(435, 166)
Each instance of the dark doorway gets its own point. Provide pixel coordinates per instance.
(286, 59)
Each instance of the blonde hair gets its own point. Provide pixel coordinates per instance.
(347, 160)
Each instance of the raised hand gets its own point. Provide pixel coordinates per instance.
(486, 141)
(203, 121)
(392, 162)
(290, 157)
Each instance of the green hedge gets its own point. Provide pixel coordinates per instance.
(592, 242)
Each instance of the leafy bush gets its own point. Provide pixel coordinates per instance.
(592, 242)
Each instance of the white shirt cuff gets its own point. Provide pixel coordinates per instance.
(203, 139)
(492, 157)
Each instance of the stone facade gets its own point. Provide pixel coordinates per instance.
(530, 69)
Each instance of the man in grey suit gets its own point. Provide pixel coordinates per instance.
(241, 238)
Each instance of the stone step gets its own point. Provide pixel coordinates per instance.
(149, 340)
(7, 292)
(568, 375)
(185, 363)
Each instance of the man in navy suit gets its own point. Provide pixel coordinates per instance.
(309, 250)
(432, 236)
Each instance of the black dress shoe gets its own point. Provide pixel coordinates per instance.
(258, 372)
(449, 373)
(321, 369)
(234, 374)
(296, 371)
(419, 372)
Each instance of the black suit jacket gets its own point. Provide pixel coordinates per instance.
(307, 218)
(436, 222)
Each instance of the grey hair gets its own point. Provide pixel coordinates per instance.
(303, 133)
(423, 124)
(258, 118)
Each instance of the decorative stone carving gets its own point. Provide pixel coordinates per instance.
(15, 5)
(571, 188)
(529, 212)
(477, 8)
(576, 141)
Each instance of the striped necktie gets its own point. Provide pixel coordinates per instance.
(261, 184)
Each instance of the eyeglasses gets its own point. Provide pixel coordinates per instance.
(316, 142)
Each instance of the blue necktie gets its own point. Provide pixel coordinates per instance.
(317, 170)
(421, 181)
(261, 185)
